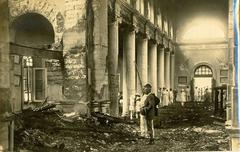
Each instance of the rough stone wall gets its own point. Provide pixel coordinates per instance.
(4, 74)
(52, 10)
(82, 27)
(15, 84)
(54, 79)
(74, 42)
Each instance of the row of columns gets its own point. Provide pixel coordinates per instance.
(148, 61)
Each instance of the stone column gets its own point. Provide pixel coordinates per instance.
(113, 66)
(167, 68)
(172, 70)
(142, 62)
(129, 71)
(99, 77)
(160, 66)
(5, 92)
(234, 129)
(152, 63)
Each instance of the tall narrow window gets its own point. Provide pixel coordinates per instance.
(27, 78)
(39, 83)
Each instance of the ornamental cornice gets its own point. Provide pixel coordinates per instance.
(126, 14)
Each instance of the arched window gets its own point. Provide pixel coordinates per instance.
(203, 71)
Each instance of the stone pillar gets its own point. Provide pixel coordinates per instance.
(5, 92)
(113, 66)
(160, 66)
(98, 63)
(152, 63)
(142, 62)
(172, 70)
(234, 129)
(167, 68)
(129, 71)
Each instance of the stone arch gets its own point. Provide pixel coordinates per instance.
(203, 64)
(32, 29)
(203, 70)
(42, 7)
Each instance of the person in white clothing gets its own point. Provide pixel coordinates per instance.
(132, 106)
(165, 97)
(138, 100)
(188, 95)
(183, 97)
(196, 94)
(143, 121)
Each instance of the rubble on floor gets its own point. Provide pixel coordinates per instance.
(46, 129)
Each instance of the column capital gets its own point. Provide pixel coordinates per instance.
(128, 28)
(161, 46)
(153, 41)
(157, 36)
(143, 35)
(167, 50)
(113, 22)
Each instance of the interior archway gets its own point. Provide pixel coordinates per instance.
(29, 32)
(32, 30)
(202, 82)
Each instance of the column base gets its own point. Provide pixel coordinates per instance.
(234, 139)
(4, 136)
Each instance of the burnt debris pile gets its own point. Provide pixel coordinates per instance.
(47, 129)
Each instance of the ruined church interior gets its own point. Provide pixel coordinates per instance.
(73, 71)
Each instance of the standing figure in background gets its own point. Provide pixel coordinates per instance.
(120, 103)
(196, 94)
(199, 94)
(183, 97)
(143, 121)
(159, 95)
(138, 100)
(171, 97)
(207, 98)
(188, 93)
(175, 92)
(132, 106)
(202, 94)
(165, 97)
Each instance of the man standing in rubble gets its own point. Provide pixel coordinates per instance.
(149, 105)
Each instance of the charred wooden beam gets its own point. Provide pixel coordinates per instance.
(35, 52)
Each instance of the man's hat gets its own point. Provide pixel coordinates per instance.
(148, 86)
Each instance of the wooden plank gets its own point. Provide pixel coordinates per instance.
(35, 52)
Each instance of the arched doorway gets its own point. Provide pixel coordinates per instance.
(31, 37)
(203, 82)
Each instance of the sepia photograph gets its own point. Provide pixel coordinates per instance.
(119, 75)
